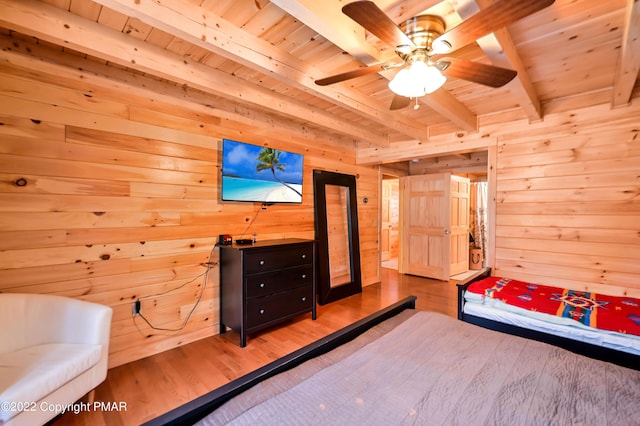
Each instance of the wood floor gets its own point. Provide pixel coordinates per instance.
(154, 385)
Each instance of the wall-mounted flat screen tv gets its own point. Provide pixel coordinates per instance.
(260, 174)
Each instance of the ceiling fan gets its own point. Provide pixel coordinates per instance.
(422, 41)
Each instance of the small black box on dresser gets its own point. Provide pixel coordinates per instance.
(265, 283)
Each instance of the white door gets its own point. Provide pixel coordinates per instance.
(425, 243)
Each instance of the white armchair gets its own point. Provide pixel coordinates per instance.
(53, 351)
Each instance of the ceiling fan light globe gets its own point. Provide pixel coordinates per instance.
(404, 84)
(429, 77)
(404, 49)
(418, 80)
(418, 68)
(439, 47)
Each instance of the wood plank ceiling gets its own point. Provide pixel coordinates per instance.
(265, 55)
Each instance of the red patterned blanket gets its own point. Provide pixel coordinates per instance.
(619, 314)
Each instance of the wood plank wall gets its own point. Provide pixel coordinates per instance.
(568, 200)
(110, 193)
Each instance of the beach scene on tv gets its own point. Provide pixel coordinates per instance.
(261, 174)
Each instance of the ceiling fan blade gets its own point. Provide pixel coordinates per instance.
(477, 72)
(498, 15)
(374, 20)
(358, 72)
(399, 102)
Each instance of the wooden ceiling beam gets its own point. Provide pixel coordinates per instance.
(501, 50)
(65, 29)
(436, 146)
(325, 17)
(521, 87)
(193, 24)
(445, 104)
(628, 66)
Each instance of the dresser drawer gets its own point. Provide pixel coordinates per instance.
(278, 306)
(266, 282)
(258, 285)
(281, 257)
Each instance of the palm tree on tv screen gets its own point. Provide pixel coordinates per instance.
(269, 159)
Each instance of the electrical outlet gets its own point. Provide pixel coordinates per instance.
(136, 308)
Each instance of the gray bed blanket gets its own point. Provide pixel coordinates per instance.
(432, 369)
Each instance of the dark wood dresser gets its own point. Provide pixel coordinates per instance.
(266, 282)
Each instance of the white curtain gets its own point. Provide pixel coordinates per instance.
(479, 224)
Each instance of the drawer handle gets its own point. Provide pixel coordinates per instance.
(261, 311)
(304, 276)
(304, 256)
(261, 263)
(304, 299)
(261, 285)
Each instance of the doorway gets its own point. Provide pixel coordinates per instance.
(476, 167)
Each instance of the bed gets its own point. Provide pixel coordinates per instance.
(406, 366)
(608, 330)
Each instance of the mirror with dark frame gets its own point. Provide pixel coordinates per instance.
(336, 222)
